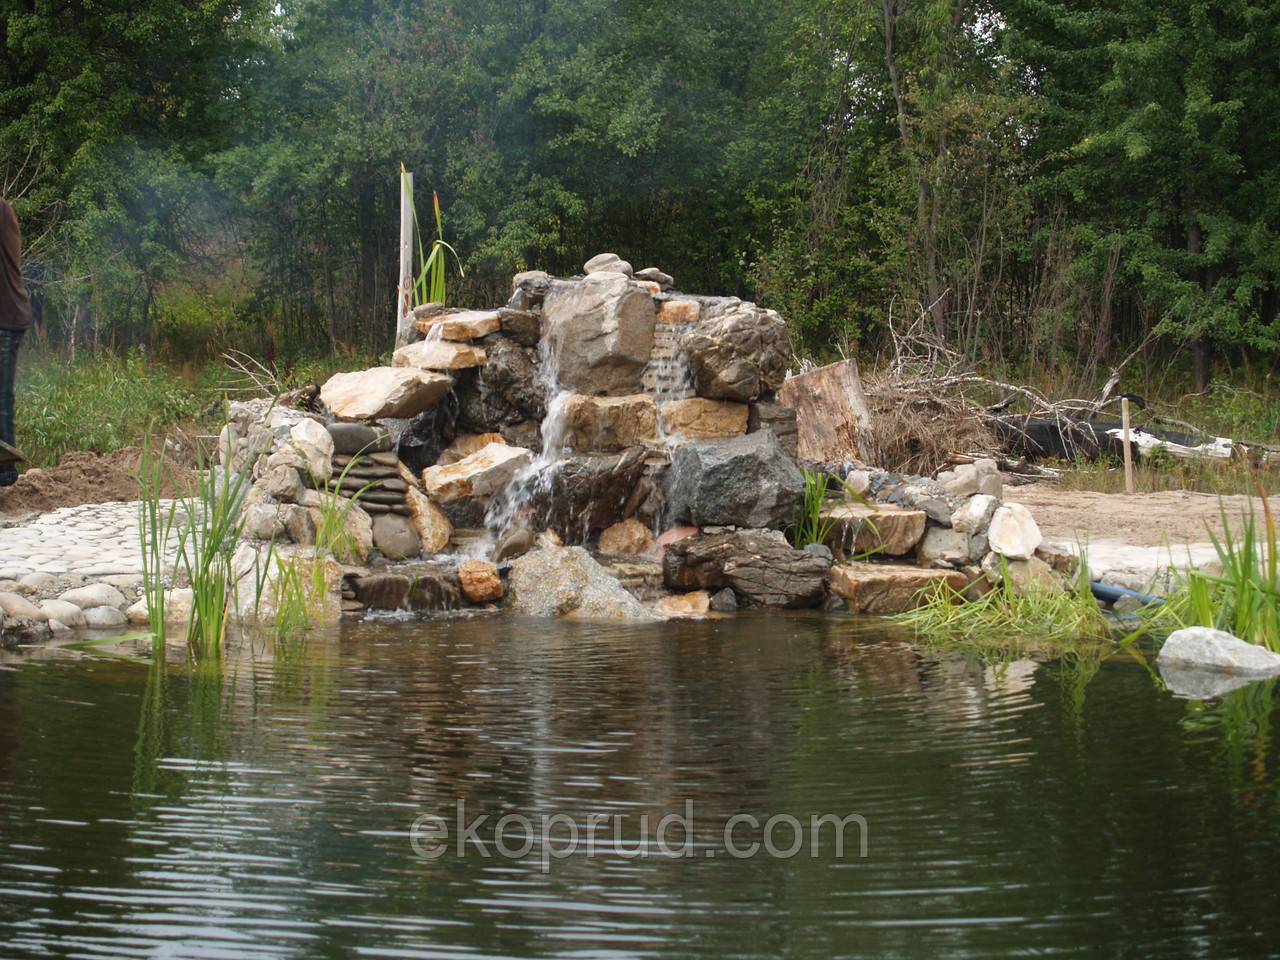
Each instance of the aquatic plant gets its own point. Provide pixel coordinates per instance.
(809, 526)
(155, 524)
(1010, 612)
(1244, 599)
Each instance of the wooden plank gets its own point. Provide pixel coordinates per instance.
(831, 411)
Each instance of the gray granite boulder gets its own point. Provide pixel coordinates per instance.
(566, 582)
(746, 481)
(1209, 649)
(739, 355)
(759, 566)
(598, 334)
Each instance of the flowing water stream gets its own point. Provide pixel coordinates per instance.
(295, 805)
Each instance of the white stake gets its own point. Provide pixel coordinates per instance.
(1128, 454)
(404, 290)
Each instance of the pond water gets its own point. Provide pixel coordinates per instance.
(297, 806)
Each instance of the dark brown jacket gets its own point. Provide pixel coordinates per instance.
(15, 308)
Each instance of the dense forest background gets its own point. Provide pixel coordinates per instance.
(1038, 183)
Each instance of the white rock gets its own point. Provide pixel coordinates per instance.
(384, 392)
(607, 263)
(974, 514)
(315, 445)
(68, 613)
(961, 482)
(1211, 649)
(15, 605)
(58, 628)
(1013, 532)
(94, 595)
(104, 616)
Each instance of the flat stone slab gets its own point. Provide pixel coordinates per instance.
(858, 529)
(383, 393)
(481, 474)
(438, 355)
(888, 588)
(467, 325)
(704, 419)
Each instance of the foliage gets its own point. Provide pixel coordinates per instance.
(1034, 615)
(1244, 599)
(809, 527)
(100, 404)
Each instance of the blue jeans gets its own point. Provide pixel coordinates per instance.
(9, 340)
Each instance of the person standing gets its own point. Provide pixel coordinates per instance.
(15, 319)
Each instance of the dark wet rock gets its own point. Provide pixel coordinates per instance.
(522, 326)
(353, 438)
(599, 334)
(15, 631)
(510, 373)
(513, 543)
(759, 565)
(724, 600)
(435, 589)
(587, 492)
(740, 355)
(777, 418)
(743, 481)
(395, 535)
(383, 591)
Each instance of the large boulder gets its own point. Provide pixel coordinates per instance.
(608, 423)
(510, 373)
(855, 528)
(1013, 532)
(566, 582)
(587, 492)
(438, 355)
(740, 355)
(383, 393)
(460, 326)
(598, 334)
(759, 565)
(746, 481)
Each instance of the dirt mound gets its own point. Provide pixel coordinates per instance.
(82, 478)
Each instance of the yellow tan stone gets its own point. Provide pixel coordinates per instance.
(438, 355)
(858, 529)
(679, 311)
(888, 588)
(467, 325)
(704, 419)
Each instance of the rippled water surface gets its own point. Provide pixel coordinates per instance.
(269, 810)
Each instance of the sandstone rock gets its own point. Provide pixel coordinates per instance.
(350, 439)
(315, 445)
(383, 393)
(744, 481)
(94, 595)
(587, 492)
(465, 445)
(1210, 649)
(67, 613)
(357, 526)
(888, 588)
(567, 582)
(15, 605)
(704, 419)
(778, 419)
(434, 528)
(629, 538)
(438, 355)
(761, 567)
(480, 581)
(599, 335)
(857, 529)
(607, 263)
(461, 326)
(608, 423)
(480, 474)
(1013, 532)
(695, 603)
(739, 355)
(974, 515)
(396, 536)
(679, 311)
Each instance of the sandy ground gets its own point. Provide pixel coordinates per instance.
(79, 478)
(1144, 519)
